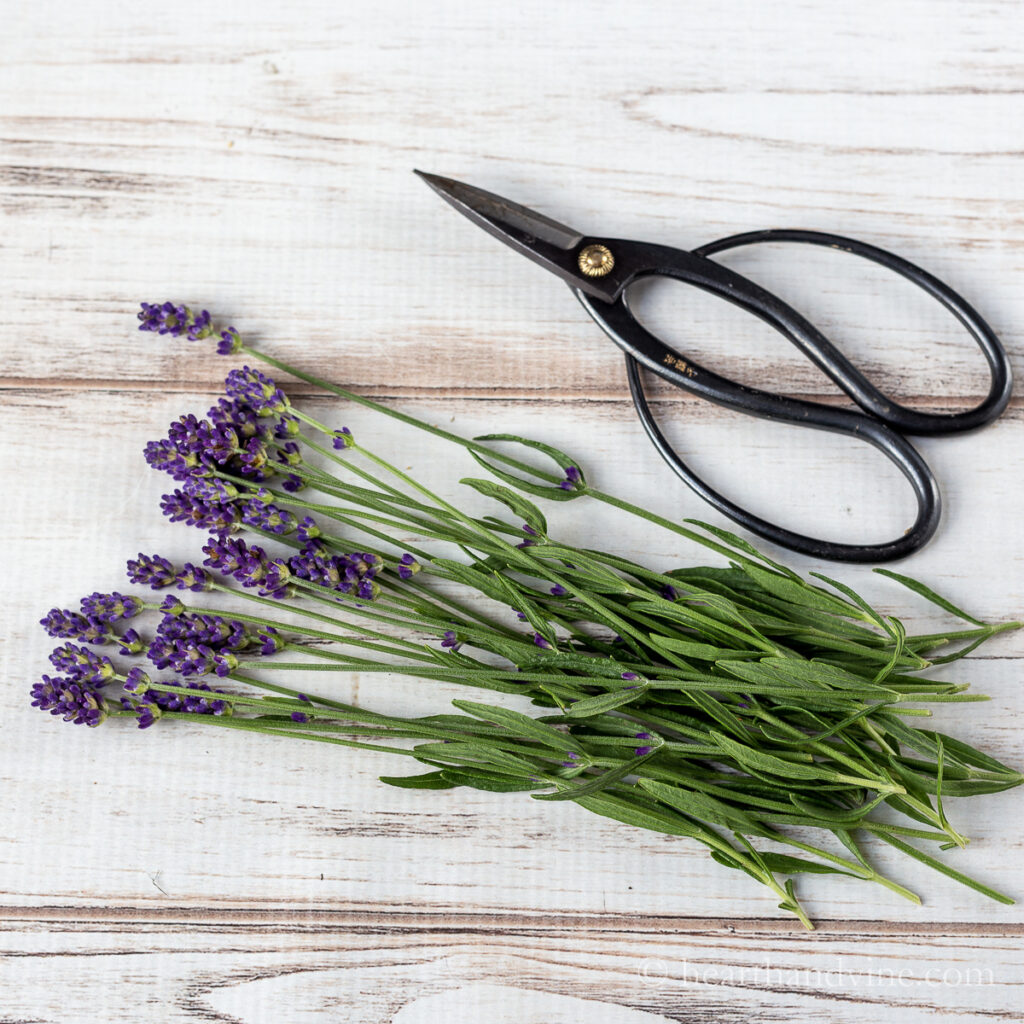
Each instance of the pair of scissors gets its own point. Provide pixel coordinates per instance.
(599, 270)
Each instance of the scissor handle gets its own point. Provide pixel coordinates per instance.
(825, 355)
(896, 448)
(640, 345)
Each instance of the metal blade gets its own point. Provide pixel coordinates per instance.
(515, 225)
(544, 241)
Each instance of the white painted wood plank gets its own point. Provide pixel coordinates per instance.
(314, 969)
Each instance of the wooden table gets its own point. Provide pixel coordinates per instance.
(255, 159)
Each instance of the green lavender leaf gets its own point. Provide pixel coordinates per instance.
(856, 599)
(694, 650)
(737, 542)
(520, 506)
(945, 869)
(597, 783)
(786, 864)
(654, 820)
(550, 491)
(965, 753)
(590, 706)
(521, 603)
(796, 591)
(430, 780)
(769, 764)
(520, 724)
(453, 750)
(471, 577)
(704, 806)
(475, 778)
(929, 595)
(561, 460)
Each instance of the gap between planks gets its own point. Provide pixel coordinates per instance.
(30, 385)
(497, 923)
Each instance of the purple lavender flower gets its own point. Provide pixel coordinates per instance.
(227, 555)
(136, 681)
(235, 415)
(147, 713)
(175, 320)
(79, 703)
(640, 751)
(152, 571)
(67, 625)
(306, 529)
(347, 574)
(450, 640)
(130, 643)
(254, 459)
(200, 327)
(298, 716)
(210, 489)
(149, 701)
(572, 480)
(170, 605)
(211, 630)
(669, 592)
(185, 507)
(269, 640)
(572, 758)
(81, 665)
(230, 342)
(541, 642)
(343, 439)
(408, 566)
(209, 442)
(276, 579)
(110, 607)
(558, 590)
(257, 390)
(191, 577)
(264, 516)
(288, 454)
(186, 434)
(631, 676)
(164, 456)
(190, 660)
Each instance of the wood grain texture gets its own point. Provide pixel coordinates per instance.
(255, 160)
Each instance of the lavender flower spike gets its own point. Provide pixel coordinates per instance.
(175, 320)
(153, 571)
(257, 390)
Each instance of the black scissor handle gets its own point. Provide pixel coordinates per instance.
(640, 345)
(861, 390)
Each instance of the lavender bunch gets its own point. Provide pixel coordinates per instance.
(729, 704)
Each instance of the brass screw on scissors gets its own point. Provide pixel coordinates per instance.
(596, 260)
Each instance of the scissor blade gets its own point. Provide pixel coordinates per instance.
(515, 225)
